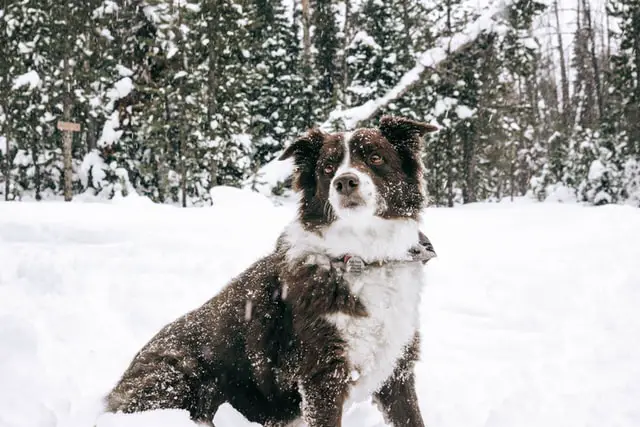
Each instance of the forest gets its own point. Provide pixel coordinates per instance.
(174, 97)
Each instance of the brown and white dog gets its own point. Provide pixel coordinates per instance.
(330, 317)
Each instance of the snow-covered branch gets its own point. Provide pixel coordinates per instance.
(276, 171)
(488, 21)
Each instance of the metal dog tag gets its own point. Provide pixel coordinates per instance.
(354, 265)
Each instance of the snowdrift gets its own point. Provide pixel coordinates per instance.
(529, 319)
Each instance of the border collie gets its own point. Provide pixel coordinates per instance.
(329, 318)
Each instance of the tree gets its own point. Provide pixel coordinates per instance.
(326, 63)
(276, 83)
(378, 55)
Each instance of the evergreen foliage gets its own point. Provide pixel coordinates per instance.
(175, 98)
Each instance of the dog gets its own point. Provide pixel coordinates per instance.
(330, 317)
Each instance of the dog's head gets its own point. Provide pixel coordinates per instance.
(359, 174)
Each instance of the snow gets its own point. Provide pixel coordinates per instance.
(529, 317)
(31, 79)
(602, 197)
(180, 74)
(108, 7)
(364, 39)
(225, 197)
(3, 145)
(170, 418)
(270, 175)
(110, 134)
(596, 170)
(244, 140)
(531, 43)
(560, 193)
(159, 418)
(106, 34)
(464, 112)
(92, 166)
(124, 71)
(443, 105)
(121, 88)
(631, 181)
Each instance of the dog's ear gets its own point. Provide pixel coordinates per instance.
(305, 152)
(305, 148)
(401, 131)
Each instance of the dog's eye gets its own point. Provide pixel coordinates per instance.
(376, 159)
(328, 169)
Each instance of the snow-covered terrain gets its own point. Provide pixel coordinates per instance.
(530, 317)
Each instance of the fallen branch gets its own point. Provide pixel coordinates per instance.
(351, 117)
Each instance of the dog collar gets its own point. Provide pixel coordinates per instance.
(356, 265)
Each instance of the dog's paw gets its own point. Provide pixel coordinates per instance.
(321, 261)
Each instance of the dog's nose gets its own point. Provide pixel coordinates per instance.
(346, 183)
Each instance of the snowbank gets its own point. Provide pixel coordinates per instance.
(236, 199)
(560, 193)
(270, 176)
(530, 316)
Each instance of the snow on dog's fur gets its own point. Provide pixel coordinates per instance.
(296, 336)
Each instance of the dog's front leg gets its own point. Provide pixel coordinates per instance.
(317, 290)
(397, 399)
(323, 397)
(399, 402)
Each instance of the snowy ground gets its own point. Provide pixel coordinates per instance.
(530, 318)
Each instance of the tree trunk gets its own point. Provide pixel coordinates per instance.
(306, 36)
(213, 78)
(635, 130)
(91, 133)
(564, 81)
(347, 38)
(7, 169)
(36, 167)
(183, 168)
(449, 136)
(182, 134)
(512, 171)
(449, 157)
(594, 58)
(90, 120)
(407, 28)
(307, 70)
(67, 136)
(468, 160)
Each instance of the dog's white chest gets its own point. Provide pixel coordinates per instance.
(391, 296)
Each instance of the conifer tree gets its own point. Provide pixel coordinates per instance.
(326, 63)
(275, 107)
(377, 56)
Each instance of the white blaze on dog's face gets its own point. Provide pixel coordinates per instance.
(360, 174)
(352, 192)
